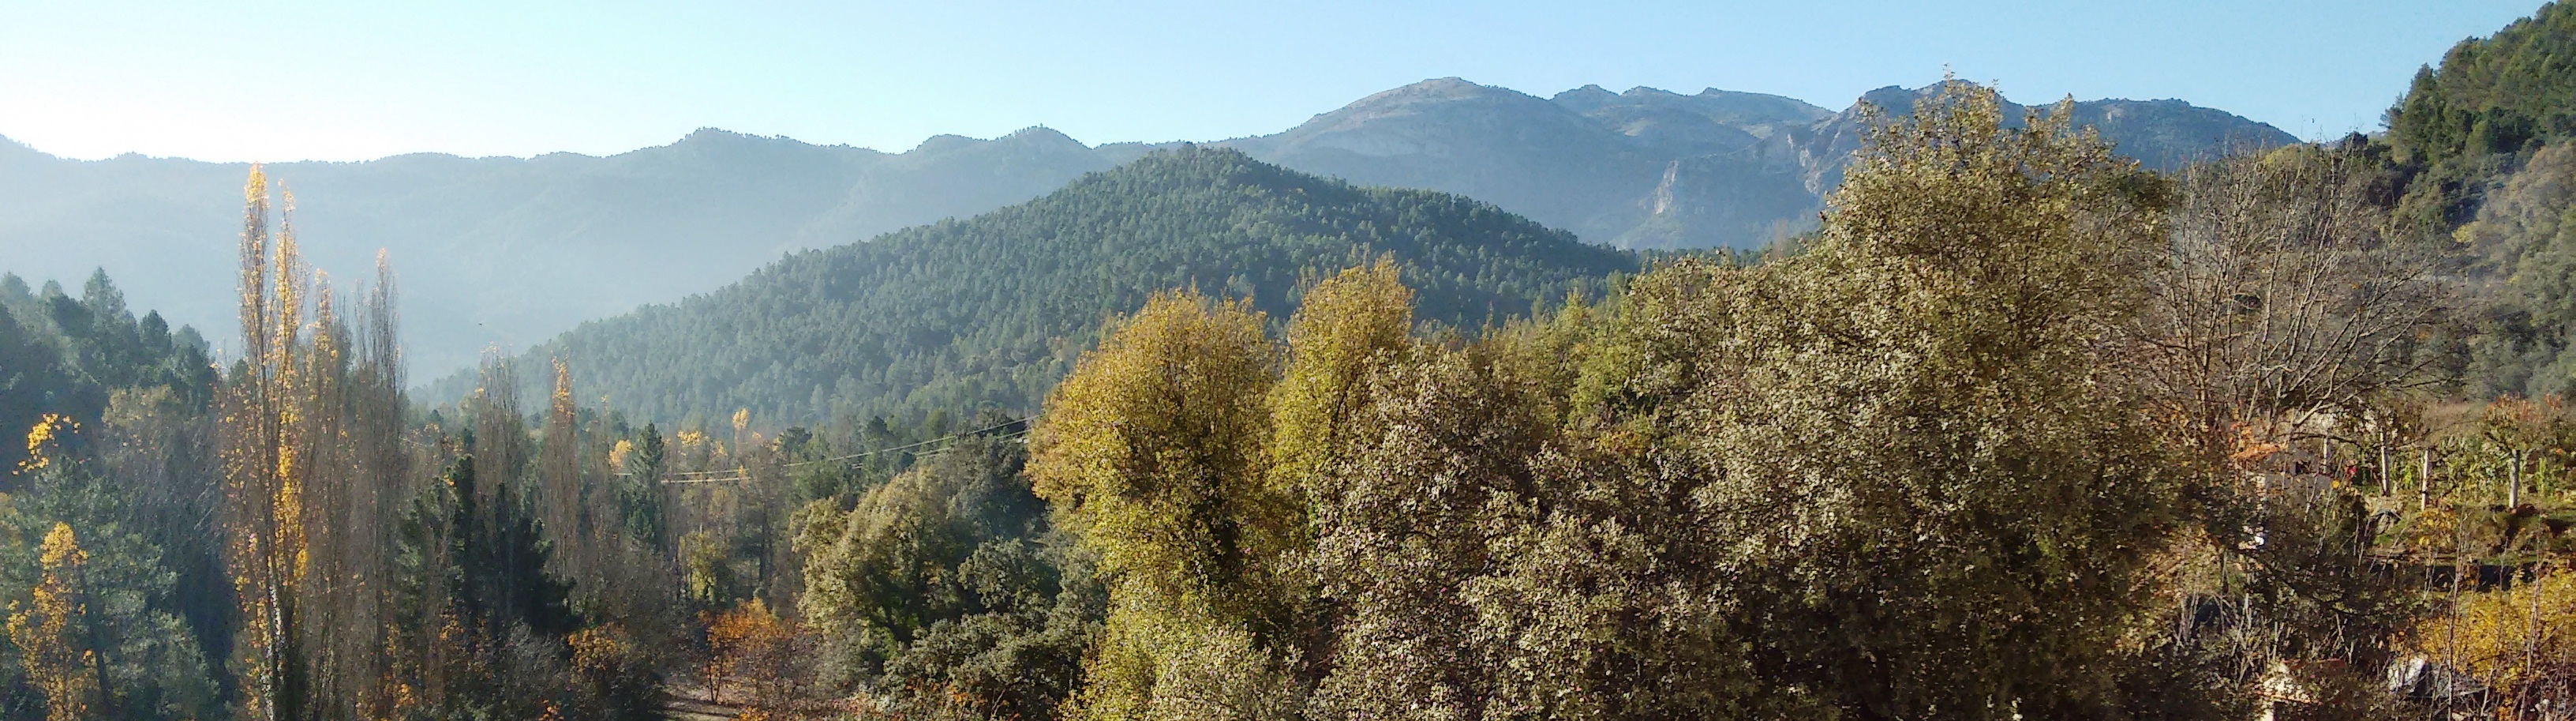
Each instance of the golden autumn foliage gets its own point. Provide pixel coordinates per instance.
(1154, 445)
(1356, 320)
(749, 644)
(305, 431)
(42, 440)
(50, 648)
(619, 454)
(262, 473)
(597, 649)
(1183, 450)
(2514, 640)
(1155, 453)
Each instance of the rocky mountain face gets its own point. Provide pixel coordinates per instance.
(503, 252)
(2164, 135)
(1649, 168)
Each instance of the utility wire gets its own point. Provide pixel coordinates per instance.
(738, 475)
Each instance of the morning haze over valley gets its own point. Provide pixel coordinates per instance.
(1331, 362)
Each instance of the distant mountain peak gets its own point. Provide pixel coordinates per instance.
(1757, 113)
(722, 137)
(1395, 122)
(1043, 136)
(721, 140)
(1896, 98)
(1585, 99)
(518, 248)
(1034, 137)
(11, 148)
(1436, 90)
(1452, 82)
(944, 142)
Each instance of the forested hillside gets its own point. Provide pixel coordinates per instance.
(989, 311)
(2478, 152)
(2483, 109)
(113, 412)
(68, 356)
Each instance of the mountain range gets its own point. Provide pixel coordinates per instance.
(501, 252)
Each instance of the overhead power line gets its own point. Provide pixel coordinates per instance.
(744, 474)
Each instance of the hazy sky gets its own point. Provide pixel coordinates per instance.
(355, 79)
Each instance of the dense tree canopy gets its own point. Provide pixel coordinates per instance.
(1910, 472)
(64, 355)
(2489, 100)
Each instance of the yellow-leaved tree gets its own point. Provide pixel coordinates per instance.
(1355, 321)
(48, 633)
(309, 433)
(1154, 452)
(2520, 641)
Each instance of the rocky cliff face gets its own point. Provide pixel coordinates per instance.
(2163, 135)
(1649, 168)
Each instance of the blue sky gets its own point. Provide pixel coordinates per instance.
(356, 79)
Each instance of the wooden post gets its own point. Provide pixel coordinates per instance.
(2513, 483)
(2531, 637)
(2424, 482)
(2386, 485)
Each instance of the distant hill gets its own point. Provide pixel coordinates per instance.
(991, 310)
(508, 251)
(504, 252)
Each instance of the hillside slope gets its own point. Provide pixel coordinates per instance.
(2490, 103)
(508, 251)
(2480, 150)
(991, 310)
